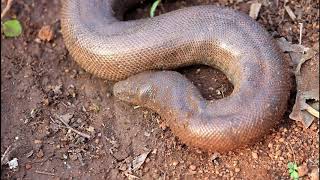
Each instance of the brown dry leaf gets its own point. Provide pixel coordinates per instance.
(290, 13)
(303, 170)
(299, 54)
(314, 175)
(45, 33)
(131, 176)
(57, 89)
(286, 46)
(66, 117)
(254, 10)
(90, 129)
(94, 108)
(139, 160)
(309, 53)
(300, 108)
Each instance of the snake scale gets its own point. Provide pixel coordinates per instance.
(133, 53)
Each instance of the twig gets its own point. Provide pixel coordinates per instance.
(44, 160)
(312, 111)
(5, 158)
(294, 157)
(300, 33)
(72, 129)
(45, 173)
(106, 148)
(131, 176)
(276, 2)
(6, 9)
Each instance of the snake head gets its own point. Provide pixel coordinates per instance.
(137, 89)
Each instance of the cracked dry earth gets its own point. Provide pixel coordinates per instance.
(41, 87)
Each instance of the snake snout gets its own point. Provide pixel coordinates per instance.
(134, 90)
(123, 90)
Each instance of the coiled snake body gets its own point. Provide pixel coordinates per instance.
(219, 37)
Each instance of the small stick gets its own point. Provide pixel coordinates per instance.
(6, 9)
(312, 111)
(294, 158)
(45, 173)
(74, 130)
(5, 158)
(300, 34)
(105, 147)
(131, 176)
(44, 160)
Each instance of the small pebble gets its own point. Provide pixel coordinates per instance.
(255, 155)
(303, 170)
(37, 141)
(65, 156)
(192, 167)
(73, 157)
(237, 170)
(214, 156)
(175, 162)
(28, 166)
(146, 169)
(235, 163)
(40, 154)
(314, 175)
(146, 134)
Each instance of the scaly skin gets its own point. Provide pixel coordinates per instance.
(217, 37)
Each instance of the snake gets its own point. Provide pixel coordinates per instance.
(141, 56)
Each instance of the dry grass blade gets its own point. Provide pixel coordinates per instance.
(4, 157)
(254, 10)
(290, 13)
(6, 9)
(72, 129)
(45, 173)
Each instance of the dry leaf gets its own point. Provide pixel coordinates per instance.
(299, 54)
(290, 13)
(45, 33)
(13, 164)
(309, 53)
(286, 46)
(299, 111)
(90, 129)
(139, 160)
(254, 10)
(66, 117)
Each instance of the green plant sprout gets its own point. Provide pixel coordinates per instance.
(153, 7)
(293, 170)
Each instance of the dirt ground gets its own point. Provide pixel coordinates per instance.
(40, 83)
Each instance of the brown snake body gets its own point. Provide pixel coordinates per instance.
(219, 37)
